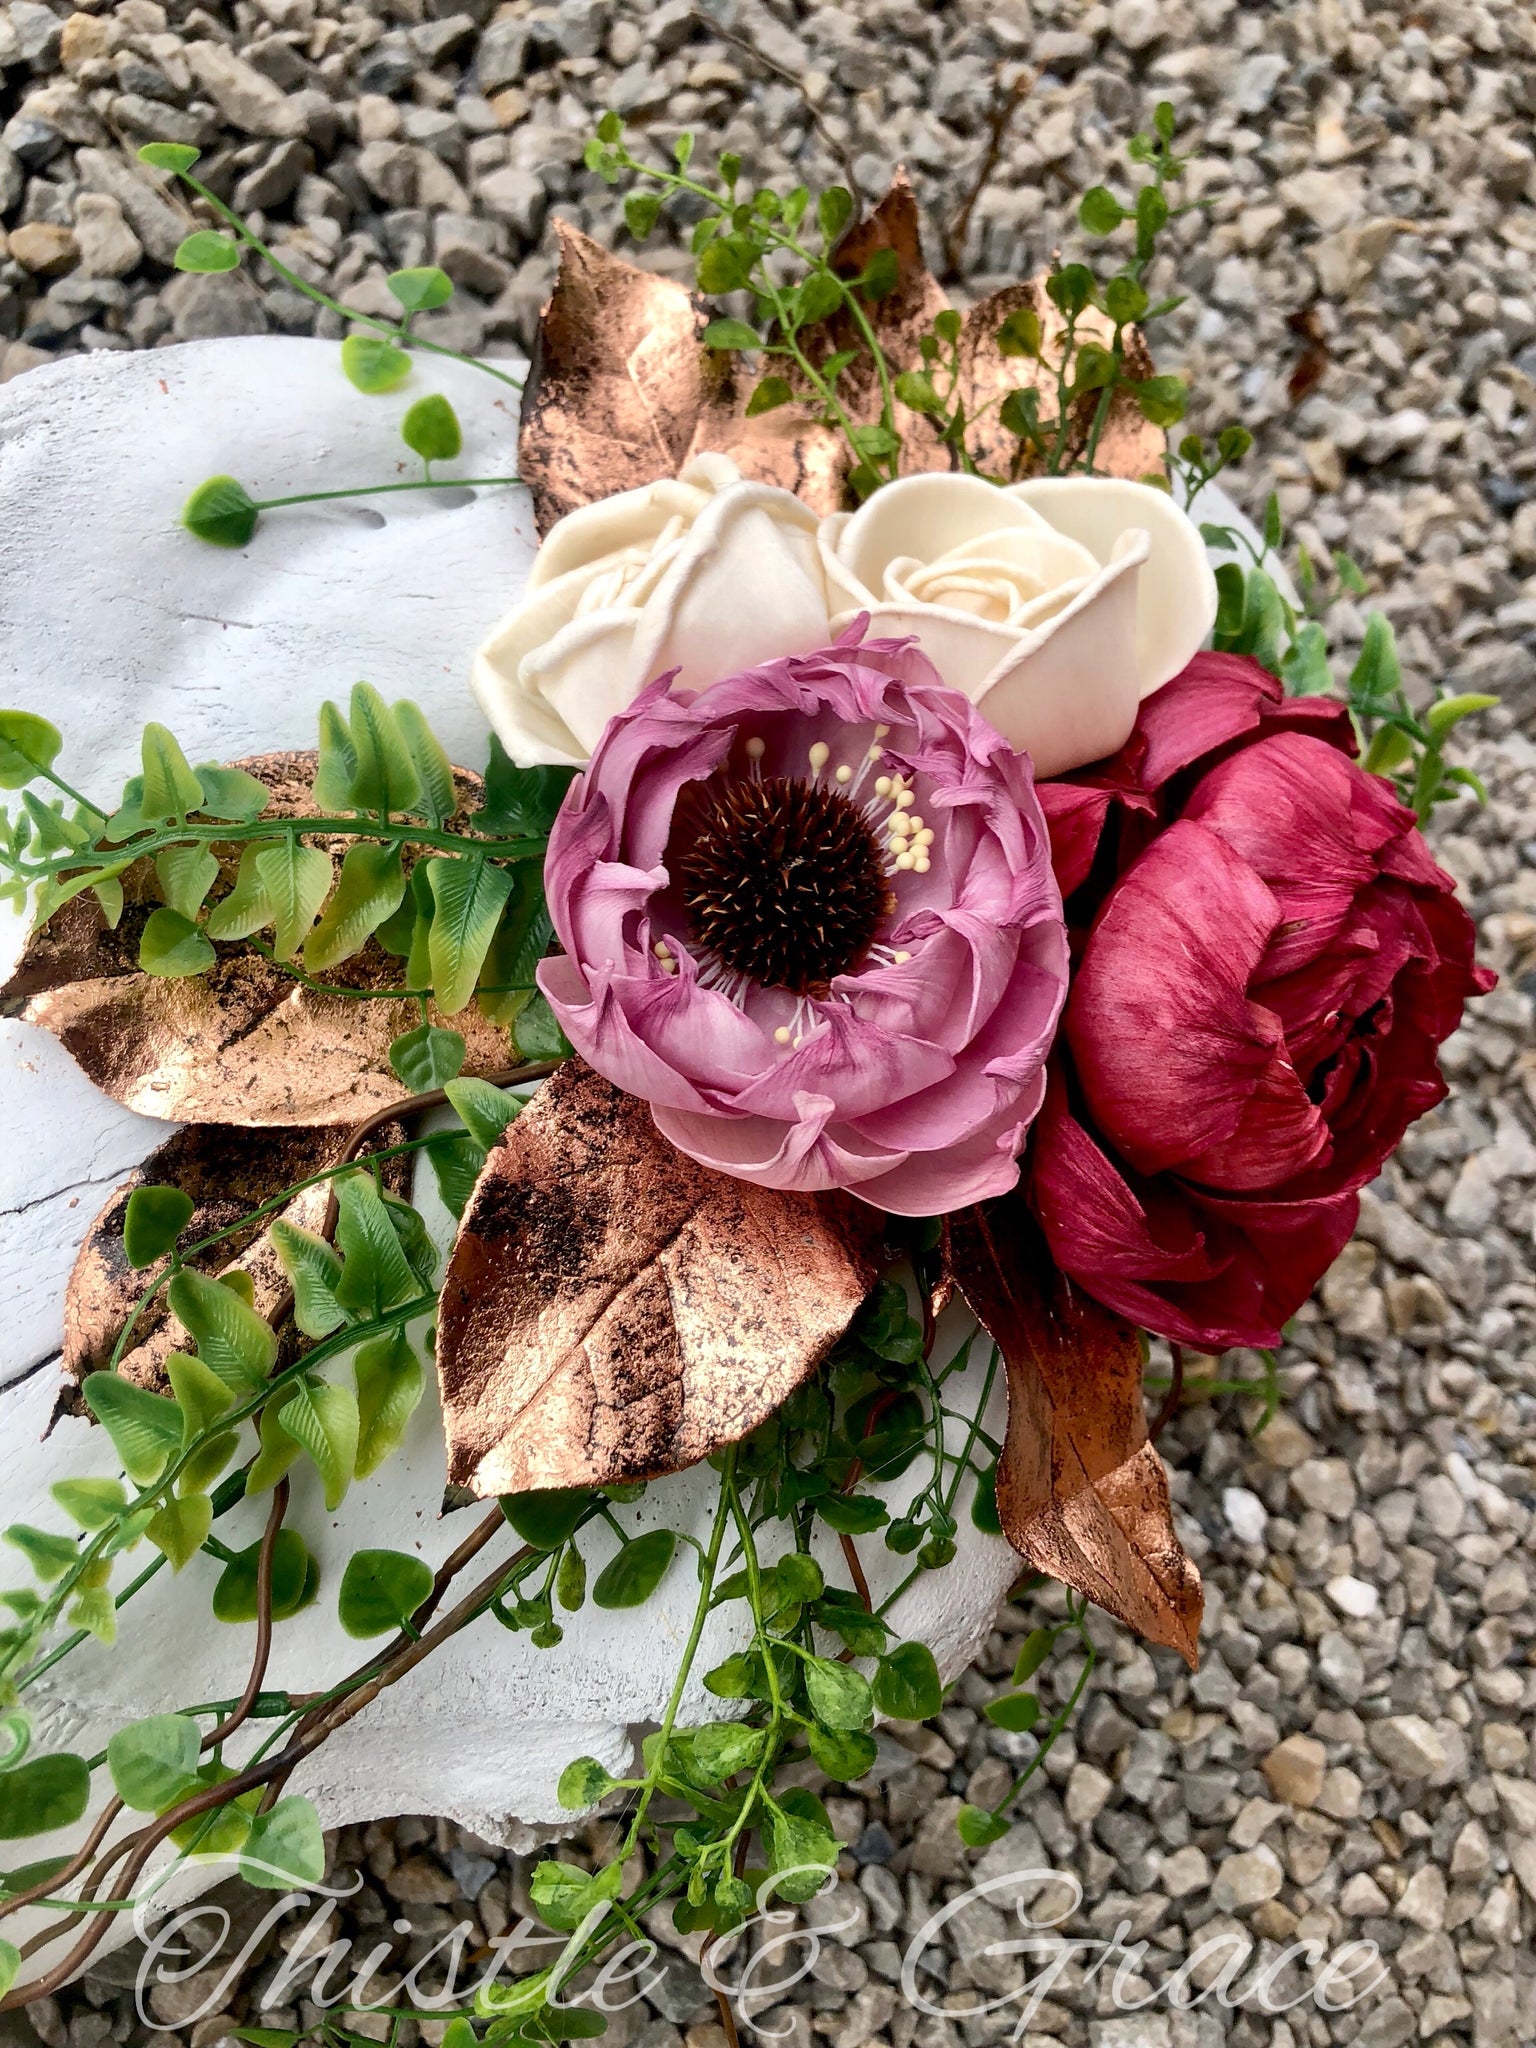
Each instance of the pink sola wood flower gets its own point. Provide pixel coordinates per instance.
(809, 915)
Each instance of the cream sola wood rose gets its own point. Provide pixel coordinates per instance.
(1054, 606)
(808, 915)
(700, 575)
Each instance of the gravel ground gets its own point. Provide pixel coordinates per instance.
(1355, 1757)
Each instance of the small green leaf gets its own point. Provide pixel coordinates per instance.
(153, 1220)
(231, 1339)
(907, 1685)
(45, 1793)
(421, 290)
(151, 1762)
(313, 1270)
(1070, 289)
(640, 212)
(180, 1528)
(380, 1591)
(185, 875)
(200, 1394)
(145, 1428)
(537, 1032)
(231, 793)
(1099, 212)
(843, 1753)
(277, 1450)
(456, 1162)
(583, 1783)
(295, 1580)
(976, 1827)
(207, 252)
(801, 1845)
(439, 799)
(839, 1695)
(1125, 300)
(735, 1679)
(297, 880)
(721, 1748)
(385, 777)
(549, 1516)
(484, 1111)
(323, 1421)
(28, 745)
(93, 1503)
(50, 1556)
(769, 395)
(377, 1275)
(853, 1514)
(1037, 1646)
(285, 1847)
(915, 389)
(390, 1384)
(431, 429)
(629, 1578)
(338, 761)
(172, 946)
(726, 265)
(1165, 120)
(882, 274)
(834, 210)
(369, 889)
(1020, 334)
(1451, 710)
(682, 150)
(1016, 1711)
(427, 1057)
(1163, 401)
(247, 907)
(373, 365)
(984, 1513)
(222, 512)
(168, 788)
(169, 156)
(731, 334)
(520, 802)
(10, 1963)
(469, 896)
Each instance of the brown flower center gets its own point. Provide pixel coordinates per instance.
(784, 881)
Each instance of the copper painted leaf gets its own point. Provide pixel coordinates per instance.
(1080, 1491)
(1129, 446)
(227, 1173)
(613, 1311)
(616, 384)
(242, 1044)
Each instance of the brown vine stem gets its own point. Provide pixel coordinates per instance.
(224, 1729)
(259, 1776)
(1174, 1395)
(838, 149)
(1001, 120)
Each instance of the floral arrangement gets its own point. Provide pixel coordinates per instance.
(916, 878)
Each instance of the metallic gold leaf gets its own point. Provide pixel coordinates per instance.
(613, 1311)
(1129, 445)
(1081, 1492)
(242, 1044)
(227, 1173)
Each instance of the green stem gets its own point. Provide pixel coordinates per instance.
(69, 790)
(435, 483)
(392, 328)
(1060, 1720)
(231, 834)
(708, 1563)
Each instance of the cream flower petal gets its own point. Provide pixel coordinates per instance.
(1176, 601)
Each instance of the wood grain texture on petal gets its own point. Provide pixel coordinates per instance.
(1081, 1492)
(243, 1044)
(227, 1173)
(617, 384)
(1129, 446)
(613, 1311)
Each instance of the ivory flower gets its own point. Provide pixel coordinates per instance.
(702, 574)
(1054, 605)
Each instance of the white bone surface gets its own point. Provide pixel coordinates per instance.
(112, 615)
